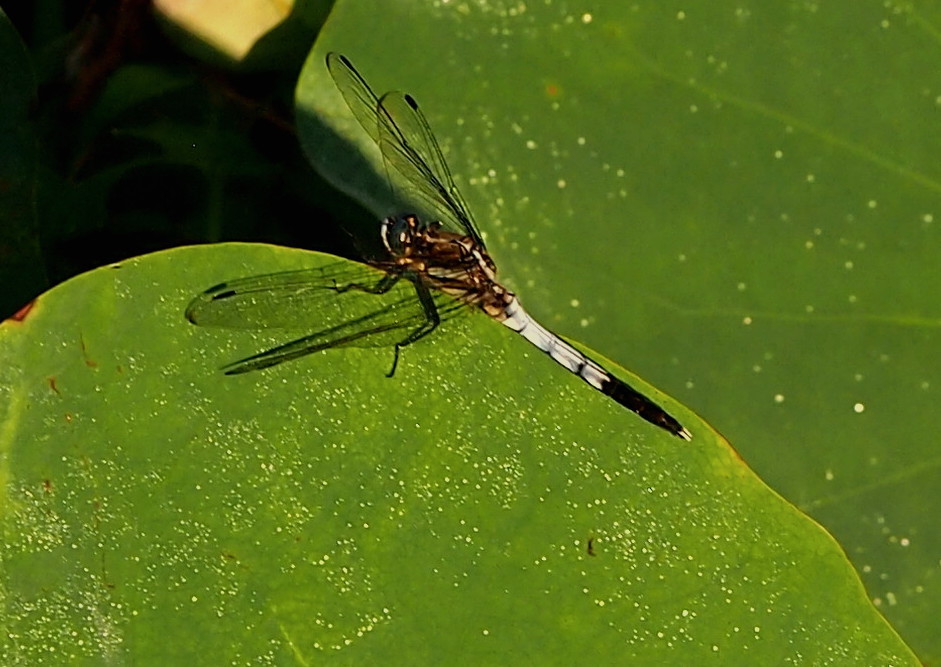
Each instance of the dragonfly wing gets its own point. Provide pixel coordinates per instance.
(344, 304)
(409, 145)
(359, 97)
(399, 128)
(308, 299)
(384, 327)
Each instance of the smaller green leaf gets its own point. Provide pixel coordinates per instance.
(320, 509)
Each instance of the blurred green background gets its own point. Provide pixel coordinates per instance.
(736, 201)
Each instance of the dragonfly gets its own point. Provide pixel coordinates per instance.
(430, 269)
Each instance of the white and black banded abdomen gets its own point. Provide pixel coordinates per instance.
(517, 319)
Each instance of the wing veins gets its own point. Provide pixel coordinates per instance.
(397, 125)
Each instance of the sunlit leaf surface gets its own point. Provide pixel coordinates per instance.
(738, 201)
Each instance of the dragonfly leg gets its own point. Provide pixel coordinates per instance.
(432, 320)
(395, 361)
(384, 284)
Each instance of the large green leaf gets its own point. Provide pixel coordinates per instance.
(156, 511)
(736, 200)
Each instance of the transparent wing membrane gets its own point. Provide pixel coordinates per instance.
(407, 144)
(348, 305)
(291, 299)
(395, 325)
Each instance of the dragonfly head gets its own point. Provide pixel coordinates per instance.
(398, 233)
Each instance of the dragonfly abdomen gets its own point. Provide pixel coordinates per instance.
(564, 354)
(517, 319)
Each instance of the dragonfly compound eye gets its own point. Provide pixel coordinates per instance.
(397, 233)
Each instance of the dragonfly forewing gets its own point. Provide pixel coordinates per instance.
(357, 94)
(408, 146)
(293, 299)
(347, 305)
(381, 328)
